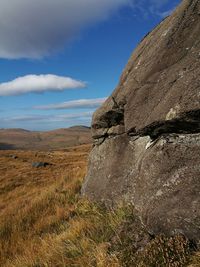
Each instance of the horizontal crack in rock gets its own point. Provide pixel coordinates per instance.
(186, 123)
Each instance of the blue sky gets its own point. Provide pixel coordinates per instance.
(60, 60)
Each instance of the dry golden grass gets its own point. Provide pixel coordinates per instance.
(195, 260)
(43, 220)
(35, 203)
(45, 223)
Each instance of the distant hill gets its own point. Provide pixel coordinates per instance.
(50, 140)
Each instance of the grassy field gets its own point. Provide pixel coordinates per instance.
(45, 223)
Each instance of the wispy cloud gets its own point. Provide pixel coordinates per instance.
(46, 122)
(35, 28)
(49, 118)
(38, 84)
(164, 14)
(75, 104)
(161, 8)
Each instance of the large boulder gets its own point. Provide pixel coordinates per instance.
(147, 134)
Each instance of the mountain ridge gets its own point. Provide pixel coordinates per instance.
(17, 138)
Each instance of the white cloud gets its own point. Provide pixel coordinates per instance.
(38, 84)
(35, 28)
(81, 103)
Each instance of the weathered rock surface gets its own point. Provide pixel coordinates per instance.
(147, 134)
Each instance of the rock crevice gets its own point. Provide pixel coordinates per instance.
(187, 123)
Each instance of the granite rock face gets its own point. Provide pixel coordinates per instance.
(147, 134)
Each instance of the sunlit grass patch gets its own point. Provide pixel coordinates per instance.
(46, 223)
